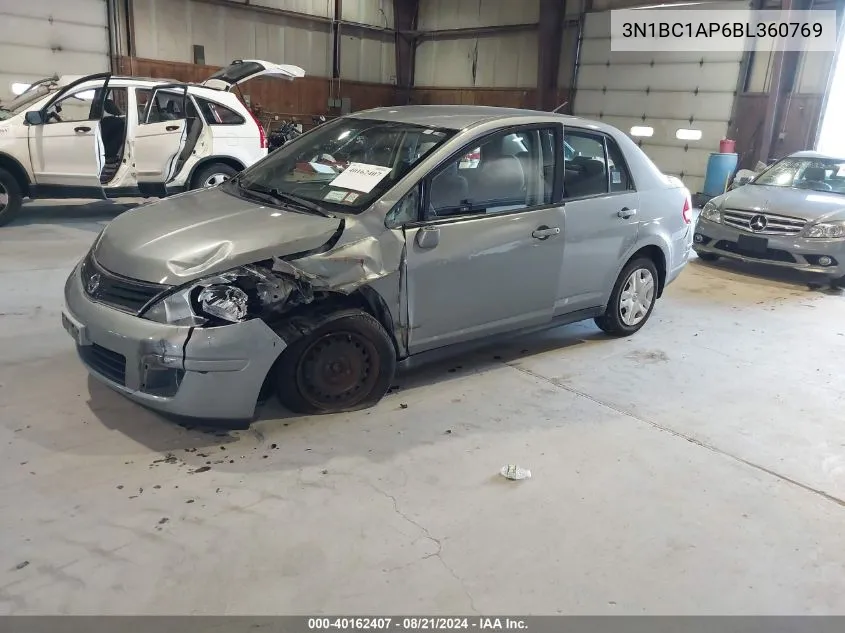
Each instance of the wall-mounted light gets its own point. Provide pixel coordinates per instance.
(18, 88)
(685, 134)
(642, 130)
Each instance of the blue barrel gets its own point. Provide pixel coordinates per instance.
(720, 167)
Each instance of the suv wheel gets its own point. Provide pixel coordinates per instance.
(11, 198)
(632, 299)
(345, 364)
(213, 175)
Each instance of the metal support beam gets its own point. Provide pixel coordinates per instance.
(451, 34)
(297, 15)
(549, 41)
(774, 96)
(405, 14)
(336, 42)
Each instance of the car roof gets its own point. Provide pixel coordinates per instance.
(813, 154)
(461, 117)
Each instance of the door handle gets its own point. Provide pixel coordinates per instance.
(626, 213)
(81, 129)
(172, 128)
(545, 232)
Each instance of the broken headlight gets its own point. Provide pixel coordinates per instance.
(230, 297)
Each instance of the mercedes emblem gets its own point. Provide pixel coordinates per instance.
(758, 223)
(93, 283)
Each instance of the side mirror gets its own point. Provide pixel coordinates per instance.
(428, 237)
(33, 117)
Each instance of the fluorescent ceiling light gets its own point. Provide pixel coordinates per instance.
(688, 135)
(642, 130)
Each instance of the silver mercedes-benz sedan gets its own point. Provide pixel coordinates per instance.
(369, 241)
(792, 214)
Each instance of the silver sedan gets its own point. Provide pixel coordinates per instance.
(790, 215)
(368, 242)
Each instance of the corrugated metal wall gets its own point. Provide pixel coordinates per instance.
(487, 61)
(43, 37)
(168, 30)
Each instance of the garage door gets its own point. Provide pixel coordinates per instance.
(674, 94)
(41, 37)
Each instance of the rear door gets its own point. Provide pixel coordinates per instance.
(601, 218)
(242, 70)
(161, 134)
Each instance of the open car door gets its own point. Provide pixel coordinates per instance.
(65, 139)
(161, 135)
(242, 70)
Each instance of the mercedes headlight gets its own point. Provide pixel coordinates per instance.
(231, 297)
(711, 212)
(826, 230)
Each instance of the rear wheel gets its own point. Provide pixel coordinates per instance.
(632, 299)
(707, 257)
(11, 198)
(213, 175)
(343, 365)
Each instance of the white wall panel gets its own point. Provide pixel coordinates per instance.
(45, 37)
(460, 14)
(661, 90)
(368, 59)
(494, 61)
(813, 72)
(375, 12)
(168, 30)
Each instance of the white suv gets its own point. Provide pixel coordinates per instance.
(103, 136)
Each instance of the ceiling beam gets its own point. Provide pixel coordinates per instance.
(450, 34)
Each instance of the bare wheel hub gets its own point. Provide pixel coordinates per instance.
(338, 369)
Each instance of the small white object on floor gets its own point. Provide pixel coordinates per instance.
(514, 472)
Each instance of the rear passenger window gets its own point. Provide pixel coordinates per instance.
(216, 114)
(585, 172)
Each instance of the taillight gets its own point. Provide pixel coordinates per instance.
(687, 211)
(262, 135)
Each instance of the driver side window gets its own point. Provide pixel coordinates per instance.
(509, 171)
(75, 107)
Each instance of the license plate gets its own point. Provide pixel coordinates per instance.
(752, 245)
(75, 331)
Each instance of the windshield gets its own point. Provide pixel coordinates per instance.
(816, 174)
(344, 165)
(21, 103)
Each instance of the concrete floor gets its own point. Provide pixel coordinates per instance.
(698, 467)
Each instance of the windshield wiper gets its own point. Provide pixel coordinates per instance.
(294, 201)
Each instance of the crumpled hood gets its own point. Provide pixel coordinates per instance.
(196, 234)
(798, 203)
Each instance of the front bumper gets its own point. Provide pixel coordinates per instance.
(786, 251)
(210, 373)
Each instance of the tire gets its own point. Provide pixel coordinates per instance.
(11, 197)
(615, 321)
(219, 172)
(347, 363)
(707, 257)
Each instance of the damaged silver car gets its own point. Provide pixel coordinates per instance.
(367, 242)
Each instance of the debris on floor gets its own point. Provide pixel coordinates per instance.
(20, 566)
(201, 469)
(403, 406)
(514, 472)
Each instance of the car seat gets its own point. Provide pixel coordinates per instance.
(501, 178)
(448, 191)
